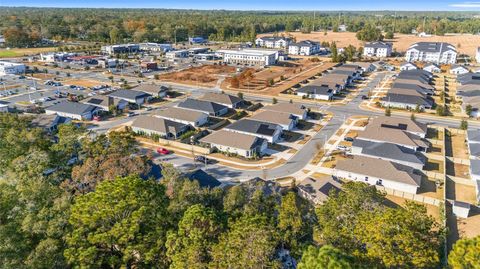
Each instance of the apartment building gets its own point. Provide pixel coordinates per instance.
(273, 42)
(377, 49)
(305, 47)
(432, 52)
(249, 57)
(121, 48)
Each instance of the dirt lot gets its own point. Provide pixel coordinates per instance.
(456, 147)
(460, 192)
(429, 188)
(206, 75)
(401, 42)
(458, 170)
(83, 82)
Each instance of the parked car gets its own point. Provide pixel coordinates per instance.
(131, 114)
(96, 118)
(364, 97)
(163, 151)
(341, 147)
(349, 139)
(202, 159)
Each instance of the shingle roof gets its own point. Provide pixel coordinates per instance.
(374, 167)
(221, 98)
(273, 117)
(378, 44)
(473, 135)
(433, 46)
(254, 127)
(395, 136)
(273, 38)
(129, 94)
(150, 88)
(399, 123)
(294, 109)
(407, 99)
(320, 188)
(387, 151)
(474, 149)
(475, 167)
(180, 114)
(158, 124)
(100, 100)
(313, 89)
(200, 105)
(305, 43)
(232, 139)
(71, 108)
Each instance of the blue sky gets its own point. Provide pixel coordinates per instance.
(426, 5)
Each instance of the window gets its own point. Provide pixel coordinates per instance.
(366, 179)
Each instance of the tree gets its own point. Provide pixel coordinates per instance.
(389, 35)
(464, 124)
(333, 49)
(326, 257)
(249, 243)
(235, 82)
(369, 33)
(388, 111)
(440, 110)
(122, 223)
(240, 95)
(412, 116)
(465, 253)
(274, 100)
(468, 110)
(190, 246)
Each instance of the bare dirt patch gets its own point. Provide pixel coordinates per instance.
(205, 75)
(83, 82)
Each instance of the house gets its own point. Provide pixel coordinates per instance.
(305, 47)
(286, 120)
(377, 49)
(204, 179)
(366, 66)
(176, 54)
(211, 108)
(317, 190)
(131, 96)
(411, 87)
(408, 66)
(389, 152)
(342, 28)
(249, 57)
(49, 123)
(432, 68)
(319, 92)
(10, 68)
(4, 106)
(148, 125)
(379, 172)
(432, 52)
(244, 145)
(269, 131)
(296, 110)
(460, 209)
(153, 89)
(407, 125)
(223, 99)
(77, 111)
(185, 116)
(406, 101)
(197, 40)
(273, 42)
(103, 102)
(194, 51)
(120, 48)
(473, 143)
(458, 70)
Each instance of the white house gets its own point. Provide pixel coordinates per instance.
(432, 68)
(185, 116)
(3, 106)
(305, 47)
(377, 49)
(408, 66)
(244, 145)
(9, 68)
(155, 47)
(77, 111)
(273, 42)
(269, 131)
(120, 48)
(432, 52)
(286, 120)
(318, 92)
(296, 110)
(249, 57)
(458, 70)
(176, 54)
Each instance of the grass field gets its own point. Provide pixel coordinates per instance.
(6, 53)
(465, 43)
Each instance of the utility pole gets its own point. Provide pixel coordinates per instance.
(313, 21)
(394, 22)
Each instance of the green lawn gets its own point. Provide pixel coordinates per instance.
(8, 53)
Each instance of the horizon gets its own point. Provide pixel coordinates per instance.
(250, 5)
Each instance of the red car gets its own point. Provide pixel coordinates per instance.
(163, 151)
(96, 118)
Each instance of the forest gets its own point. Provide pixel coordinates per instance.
(105, 210)
(25, 26)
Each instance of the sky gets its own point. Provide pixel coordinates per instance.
(320, 5)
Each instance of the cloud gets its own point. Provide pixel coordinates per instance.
(466, 5)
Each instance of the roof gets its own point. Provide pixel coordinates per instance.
(475, 167)
(47, 121)
(273, 117)
(294, 109)
(221, 98)
(473, 135)
(100, 100)
(273, 38)
(320, 188)
(201, 105)
(232, 139)
(407, 99)
(432, 47)
(431, 65)
(204, 179)
(415, 87)
(314, 89)
(129, 94)
(381, 169)
(387, 151)
(408, 63)
(180, 114)
(415, 82)
(474, 149)
(305, 43)
(251, 52)
(71, 108)
(254, 126)
(158, 124)
(455, 66)
(399, 123)
(150, 88)
(378, 44)
(396, 136)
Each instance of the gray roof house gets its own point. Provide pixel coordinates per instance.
(49, 122)
(149, 125)
(211, 108)
(269, 131)
(286, 120)
(223, 99)
(406, 101)
(185, 116)
(74, 110)
(154, 90)
(244, 145)
(296, 110)
(318, 190)
(321, 92)
(131, 96)
(103, 102)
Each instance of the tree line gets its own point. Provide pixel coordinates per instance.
(102, 209)
(25, 26)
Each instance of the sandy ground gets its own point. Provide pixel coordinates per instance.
(466, 44)
(83, 82)
(205, 75)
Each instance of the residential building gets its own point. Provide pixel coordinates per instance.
(120, 48)
(432, 52)
(406, 101)
(408, 66)
(458, 70)
(9, 68)
(305, 47)
(377, 49)
(366, 66)
(249, 57)
(227, 100)
(194, 51)
(210, 108)
(273, 42)
(155, 47)
(197, 40)
(244, 145)
(406, 125)
(269, 131)
(432, 68)
(185, 116)
(176, 54)
(104, 102)
(77, 111)
(317, 190)
(49, 123)
(148, 125)
(131, 96)
(296, 110)
(159, 91)
(318, 92)
(379, 172)
(285, 120)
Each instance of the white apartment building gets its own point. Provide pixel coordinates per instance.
(250, 57)
(305, 47)
(9, 68)
(121, 48)
(432, 52)
(155, 47)
(377, 49)
(273, 42)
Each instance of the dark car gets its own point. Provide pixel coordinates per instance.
(364, 97)
(202, 159)
(349, 139)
